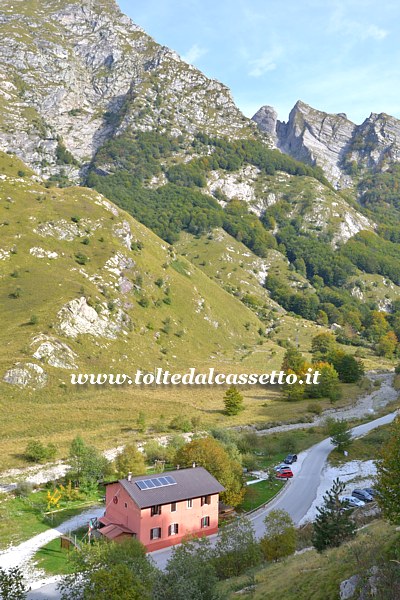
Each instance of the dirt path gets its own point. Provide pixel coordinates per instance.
(21, 555)
(363, 407)
(39, 474)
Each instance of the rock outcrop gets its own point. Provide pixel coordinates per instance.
(74, 74)
(26, 375)
(332, 141)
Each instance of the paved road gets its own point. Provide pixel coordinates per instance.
(300, 492)
(296, 497)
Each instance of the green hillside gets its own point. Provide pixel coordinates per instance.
(87, 288)
(314, 575)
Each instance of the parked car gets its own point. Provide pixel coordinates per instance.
(290, 459)
(283, 472)
(372, 492)
(352, 501)
(362, 495)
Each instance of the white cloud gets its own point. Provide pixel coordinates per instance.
(340, 22)
(194, 53)
(375, 33)
(266, 62)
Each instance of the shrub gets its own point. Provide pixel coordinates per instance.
(314, 407)
(23, 489)
(143, 301)
(37, 452)
(81, 258)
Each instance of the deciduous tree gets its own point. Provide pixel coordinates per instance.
(388, 475)
(280, 536)
(210, 454)
(106, 570)
(190, 573)
(236, 549)
(131, 460)
(12, 584)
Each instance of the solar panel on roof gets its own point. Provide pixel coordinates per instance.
(155, 482)
(170, 479)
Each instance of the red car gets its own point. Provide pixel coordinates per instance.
(283, 472)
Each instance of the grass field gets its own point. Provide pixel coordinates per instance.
(258, 494)
(53, 559)
(107, 417)
(22, 518)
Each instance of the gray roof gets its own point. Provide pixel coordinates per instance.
(190, 483)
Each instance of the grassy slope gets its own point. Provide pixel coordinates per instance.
(364, 448)
(313, 576)
(241, 273)
(213, 328)
(107, 416)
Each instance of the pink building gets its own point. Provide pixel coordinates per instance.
(160, 510)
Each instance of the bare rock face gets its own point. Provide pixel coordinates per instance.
(376, 143)
(317, 138)
(54, 352)
(26, 375)
(332, 141)
(349, 587)
(267, 120)
(76, 73)
(78, 318)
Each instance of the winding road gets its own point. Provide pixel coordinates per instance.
(296, 497)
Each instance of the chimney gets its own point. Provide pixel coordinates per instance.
(129, 476)
(194, 465)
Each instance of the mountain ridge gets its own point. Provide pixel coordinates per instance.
(333, 142)
(91, 73)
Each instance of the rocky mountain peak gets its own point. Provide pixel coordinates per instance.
(334, 142)
(76, 73)
(266, 118)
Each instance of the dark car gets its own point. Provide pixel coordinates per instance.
(362, 495)
(290, 459)
(372, 492)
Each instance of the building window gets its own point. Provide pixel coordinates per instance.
(205, 500)
(155, 533)
(205, 522)
(173, 506)
(155, 510)
(173, 529)
(189, 503)
(126, 505)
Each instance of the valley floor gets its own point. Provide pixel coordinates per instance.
(296, 498)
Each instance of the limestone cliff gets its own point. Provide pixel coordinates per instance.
(75, 73)
(332, 141)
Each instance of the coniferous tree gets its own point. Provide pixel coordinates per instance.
(233, 401)
(333, 524)
(338, 430)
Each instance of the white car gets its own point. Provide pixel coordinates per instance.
(352, 501)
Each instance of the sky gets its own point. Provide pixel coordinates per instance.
(336, 55)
